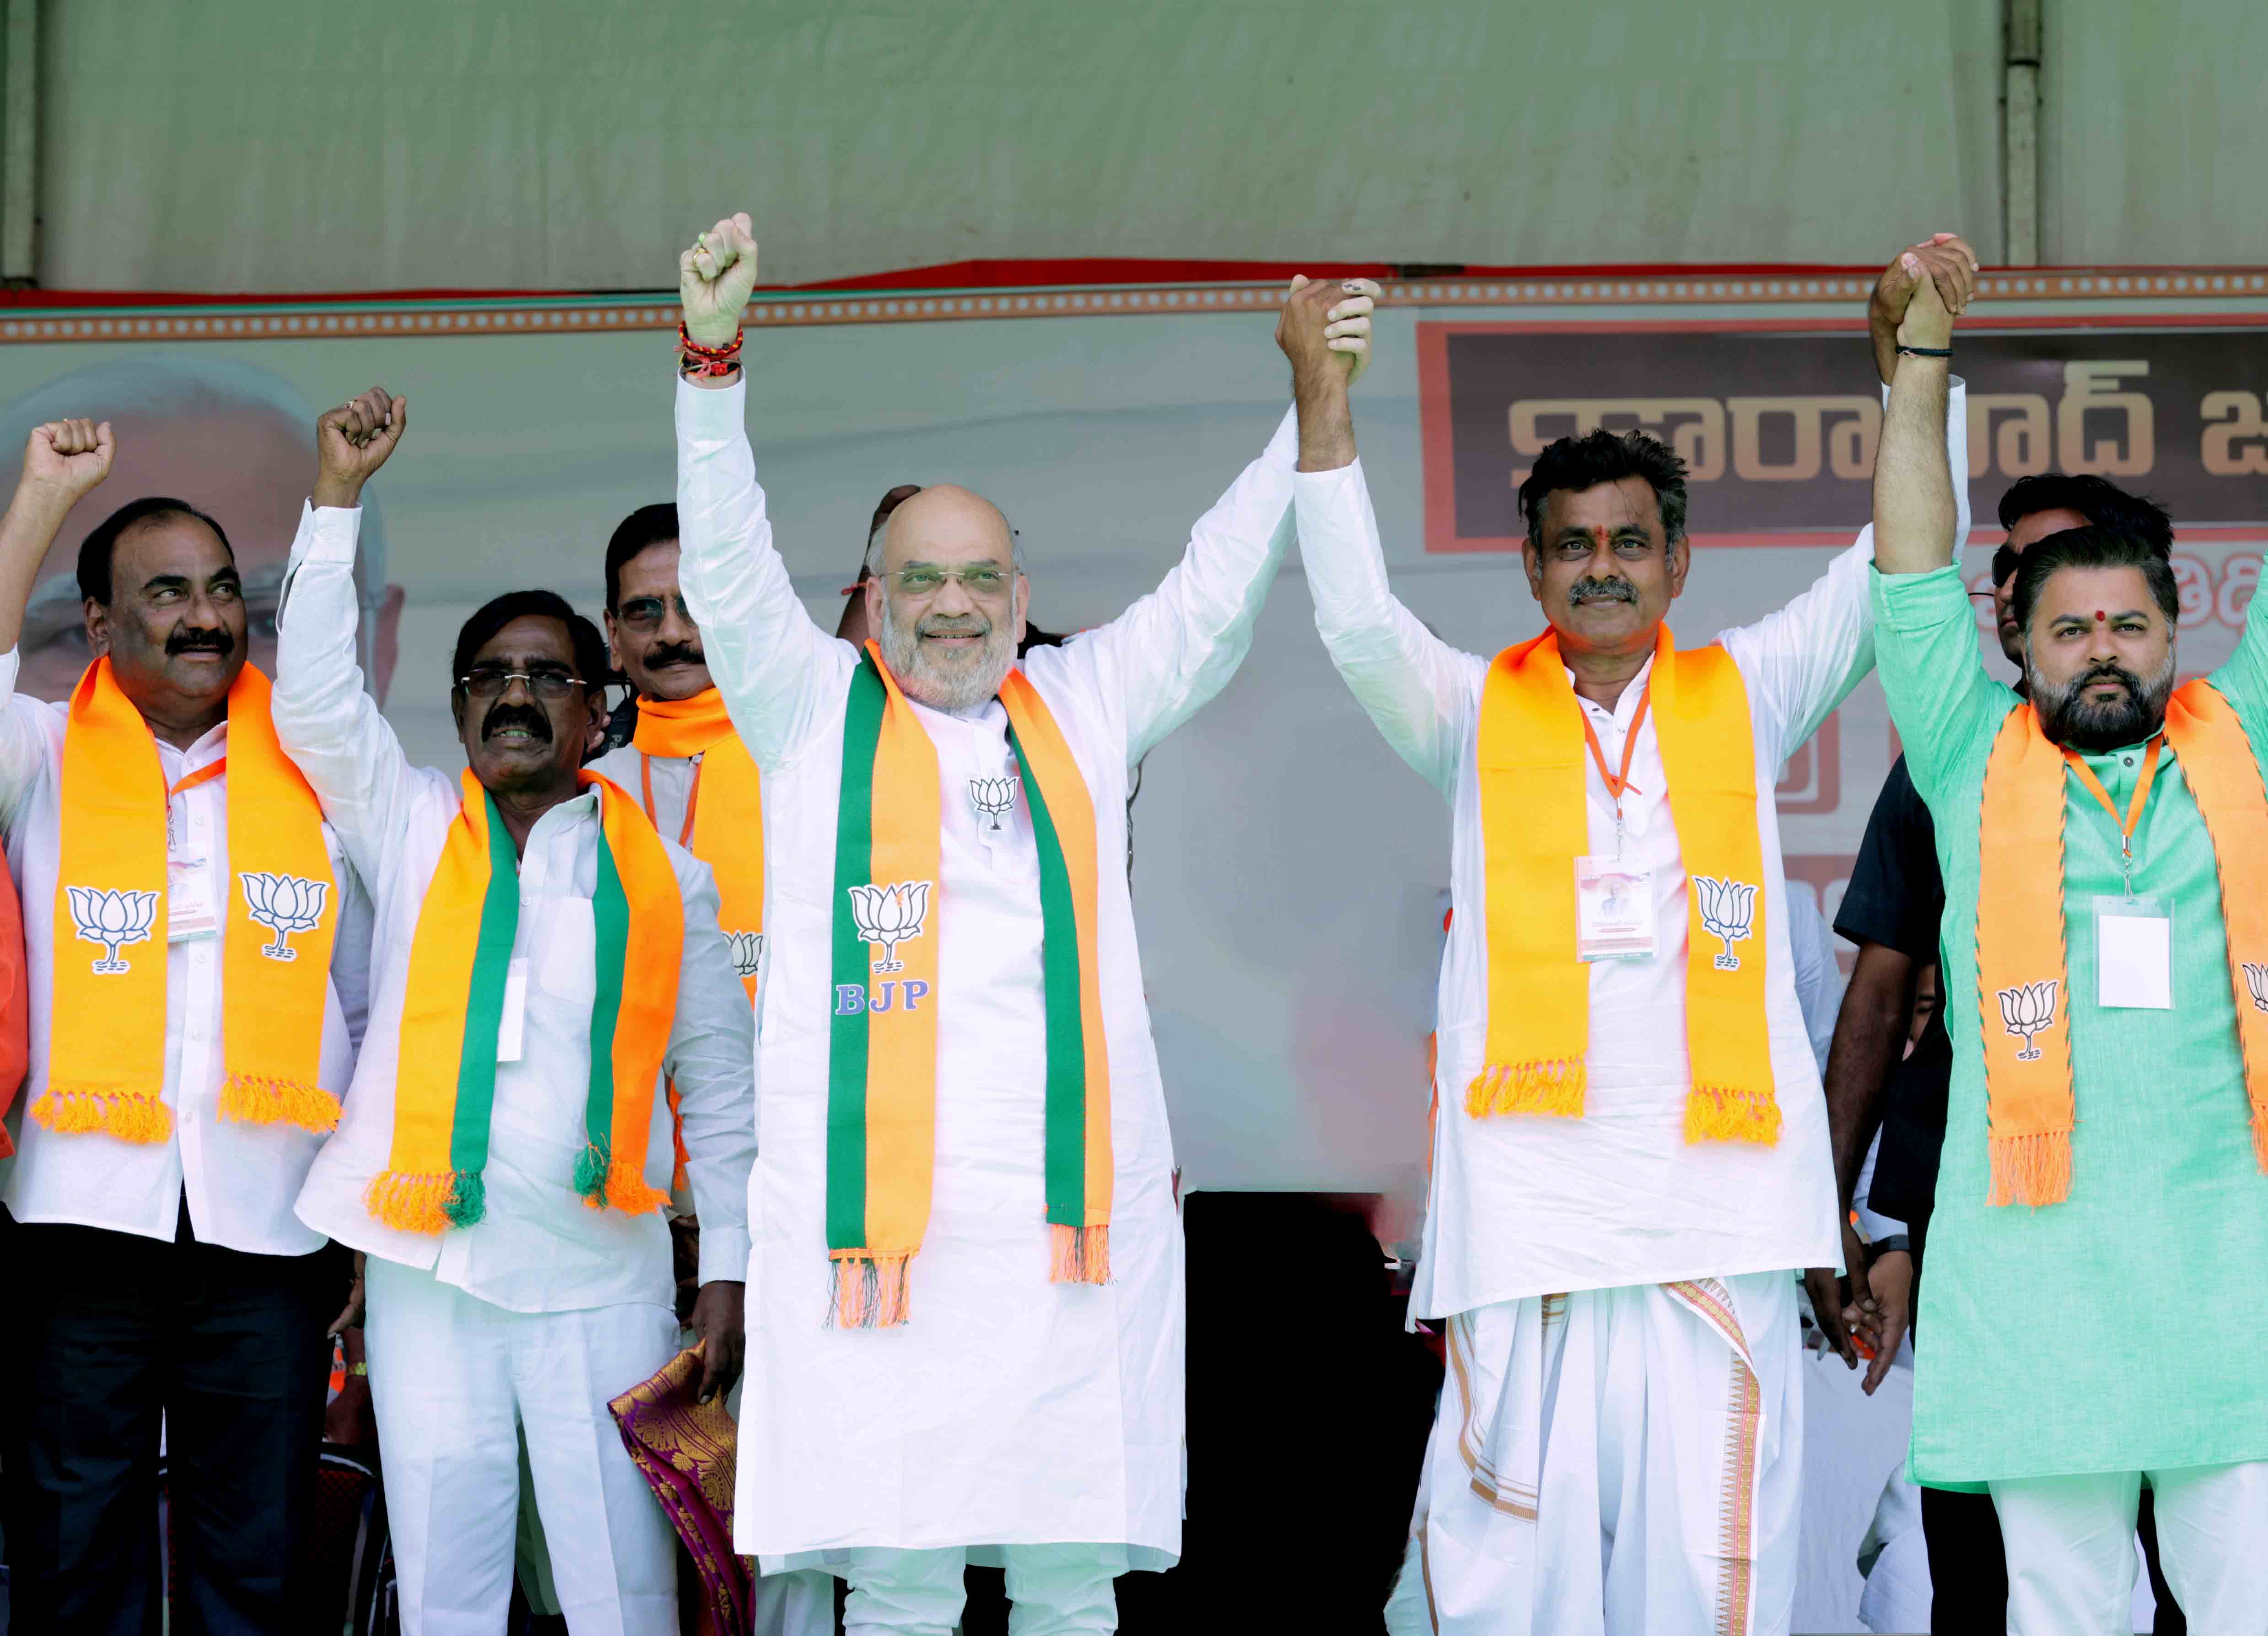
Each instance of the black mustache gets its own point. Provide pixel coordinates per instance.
(186, 639)
(1607, 590)
(2119, 674)
(675, 653)
(516, 716)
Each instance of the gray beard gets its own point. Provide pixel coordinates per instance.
(932, 678)
(2068, 718)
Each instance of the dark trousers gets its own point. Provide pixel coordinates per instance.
(109, 1333)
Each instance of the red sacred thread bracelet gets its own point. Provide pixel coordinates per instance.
(693, 359)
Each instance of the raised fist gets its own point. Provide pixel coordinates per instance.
(1325, 324)
(352, 441)
(714, 278)
(68, 458)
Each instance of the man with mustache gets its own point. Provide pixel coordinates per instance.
(2105, 969)
(542, 958)
(197, 946)
(1890, 913)
(966, 1161)
(1631, 1150)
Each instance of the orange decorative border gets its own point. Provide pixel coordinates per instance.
(256, 318)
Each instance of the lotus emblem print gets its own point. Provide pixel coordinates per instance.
(2256, 978)
(890, 915)
(283, 904)
(1728, 911)
(2028, 1009)
(749, 951)
(112, 919)
(992, 797)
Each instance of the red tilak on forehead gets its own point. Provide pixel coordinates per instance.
(2098, 615)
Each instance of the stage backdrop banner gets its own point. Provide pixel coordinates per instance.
(1288, 869)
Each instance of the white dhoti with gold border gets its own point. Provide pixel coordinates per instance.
(1611, 1461)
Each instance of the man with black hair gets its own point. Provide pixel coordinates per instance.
(543, 958)
(1890, 911)
(1631, 1152)
(2103, 839)
(197, 948)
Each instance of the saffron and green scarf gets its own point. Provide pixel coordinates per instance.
(881, 1118)
(444, 1088)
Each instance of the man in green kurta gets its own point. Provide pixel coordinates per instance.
(2061, 1359)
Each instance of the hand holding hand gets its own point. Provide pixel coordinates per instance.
(1829, 1305)
(66, 459)
(718, 1319)
(1325, 325)
(352, 441)
(1928, 321)
(1890, 1280)
(714, 279)
(1943, 261)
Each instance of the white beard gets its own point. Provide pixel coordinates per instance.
(947, 678)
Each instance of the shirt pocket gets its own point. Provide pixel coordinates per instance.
(569, 969)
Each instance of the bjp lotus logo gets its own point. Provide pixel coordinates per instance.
(890, 915)
(747, 951)
(112, 919)
(1728, 913)
(283, 904)
(2029, 1009)
(2256, 978)
(992, 797)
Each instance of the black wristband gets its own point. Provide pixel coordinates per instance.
(1892, 1240)
(1905, 351)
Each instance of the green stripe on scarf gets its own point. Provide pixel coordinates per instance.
(846, 1059)
(476, 1064)
(610, 922)
(1066, 1095)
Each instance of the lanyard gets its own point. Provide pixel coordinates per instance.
(205, 774)
(1617, 782)
(2134, 807)
(692, 796)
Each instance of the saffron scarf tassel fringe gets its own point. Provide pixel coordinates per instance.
(1716, 1113)
(1079, 1254)
(2033, 1169)
(602, 1180)
(429, 1203)
(255, 1099)
(867, 1292)
(1554, 1087)
(137, 1117)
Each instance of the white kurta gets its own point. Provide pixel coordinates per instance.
(1527, 1206)
(1009, 1410)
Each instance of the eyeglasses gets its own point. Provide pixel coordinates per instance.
(644, 612)
(486, 682)
(978, 579)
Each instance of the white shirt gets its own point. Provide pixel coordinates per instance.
(540, 1249)
(1531, 1206)
(673, 786)
(239, 1179)
(1009, 1410)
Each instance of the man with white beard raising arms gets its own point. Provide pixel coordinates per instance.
(966, 1168)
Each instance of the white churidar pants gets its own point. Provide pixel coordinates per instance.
(2070, 1549)
(1053, 1590)
(1614, 1463)
(453, 1379)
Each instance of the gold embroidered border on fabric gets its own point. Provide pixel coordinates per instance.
(1743, 1416)
(1513, 1499)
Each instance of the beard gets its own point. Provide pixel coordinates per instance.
(947, 678)
(2070, 719)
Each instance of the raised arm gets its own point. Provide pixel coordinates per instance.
(1914, 510)
(1175, 649)
(325, 718)
(772, 665)
(63, 460)
(2245, 678)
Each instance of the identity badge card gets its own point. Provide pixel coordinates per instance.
(2134, 952)
(1614, 909)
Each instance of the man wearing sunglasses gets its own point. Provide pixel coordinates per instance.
(543, 960)
(1891, 910)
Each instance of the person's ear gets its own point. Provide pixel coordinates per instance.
(614, 641)
(1532, 560)
(98, 627)
(456, 711)
(594, 731)
(1681, 558)
(877, 599)
(1023, 605)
